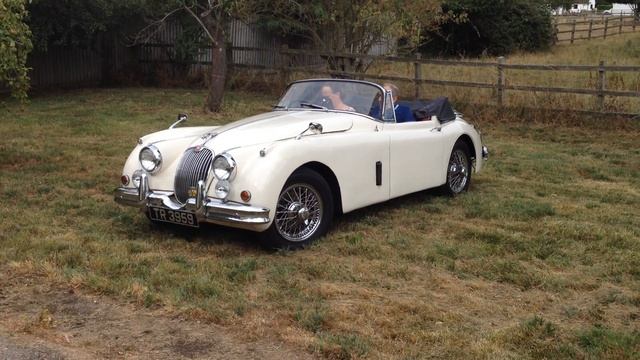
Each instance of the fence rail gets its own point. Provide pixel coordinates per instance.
(500, 86)
(595, 28)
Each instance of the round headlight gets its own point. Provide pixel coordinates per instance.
(150, 158)
(224, 167)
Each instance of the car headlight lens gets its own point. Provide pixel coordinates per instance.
(224, 167)
(150, 158)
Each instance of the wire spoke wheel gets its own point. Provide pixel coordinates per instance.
(458, 171)
(299, 212)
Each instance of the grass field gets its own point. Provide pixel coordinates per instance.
(541, 259)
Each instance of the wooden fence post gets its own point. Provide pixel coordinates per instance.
(621, 22)
(501, 81)
(284, 64)
(601, 85)
(633, 24)
(590, 28)
(573, 31)
(606, 27)
(417, 69)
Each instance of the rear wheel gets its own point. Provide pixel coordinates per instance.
(458, 169)
(303, 213)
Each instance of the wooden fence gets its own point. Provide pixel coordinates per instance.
(500, 86)
(70, 67)
(595, 27)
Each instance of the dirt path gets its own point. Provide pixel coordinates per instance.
(38, 321)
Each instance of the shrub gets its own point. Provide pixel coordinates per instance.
(491, 28)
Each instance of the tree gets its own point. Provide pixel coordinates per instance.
(213, 17)
(353, 26)
(15, 45)
(492, 28)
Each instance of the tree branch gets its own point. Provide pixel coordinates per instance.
(204, 27)
(153, 28)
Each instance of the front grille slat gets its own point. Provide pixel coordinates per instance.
(193, 167)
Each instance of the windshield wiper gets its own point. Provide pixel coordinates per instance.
(279, 107)
(313, 106)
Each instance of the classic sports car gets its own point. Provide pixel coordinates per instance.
(328, 147)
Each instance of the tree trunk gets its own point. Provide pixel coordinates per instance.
(218, 71)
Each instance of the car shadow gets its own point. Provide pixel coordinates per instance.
(383, 208)
(212, 234)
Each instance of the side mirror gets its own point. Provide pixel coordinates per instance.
(181, 118)
(316, 128)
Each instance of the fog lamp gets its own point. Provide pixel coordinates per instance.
(135, 178)
(222, 189)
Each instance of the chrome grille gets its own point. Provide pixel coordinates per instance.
(193, 167)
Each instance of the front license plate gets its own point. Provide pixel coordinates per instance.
(173, 216)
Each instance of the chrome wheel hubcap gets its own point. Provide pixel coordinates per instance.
(299, 212)
(458, 174)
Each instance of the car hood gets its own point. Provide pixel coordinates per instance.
(273, 126)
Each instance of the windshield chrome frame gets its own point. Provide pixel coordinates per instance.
(383, 92)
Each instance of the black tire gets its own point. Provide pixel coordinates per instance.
(459, 169)
(311, 212)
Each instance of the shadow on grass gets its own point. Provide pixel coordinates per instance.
(212, 234)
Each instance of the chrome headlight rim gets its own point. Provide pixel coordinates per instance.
(227, 171)
(156, 160)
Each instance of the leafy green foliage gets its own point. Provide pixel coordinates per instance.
(79, 22)
(15, 45)
(495, 28)
(349, 26)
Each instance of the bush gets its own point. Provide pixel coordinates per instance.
(491, 28)
(15, 45)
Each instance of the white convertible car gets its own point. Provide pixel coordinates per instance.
(328, 147)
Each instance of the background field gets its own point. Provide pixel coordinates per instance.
(540, 259)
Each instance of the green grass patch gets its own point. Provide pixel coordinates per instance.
(551, 223)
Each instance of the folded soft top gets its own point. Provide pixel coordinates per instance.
(424, 109)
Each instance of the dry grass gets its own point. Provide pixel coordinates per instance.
(540, 259)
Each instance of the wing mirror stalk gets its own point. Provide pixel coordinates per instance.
(181, 118)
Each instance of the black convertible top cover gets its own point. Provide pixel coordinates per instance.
(423, 110)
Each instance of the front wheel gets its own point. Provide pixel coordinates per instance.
(303, 213)
(458, 170)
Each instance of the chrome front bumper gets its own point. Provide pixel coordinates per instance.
(206, 209)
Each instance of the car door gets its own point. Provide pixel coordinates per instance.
(416, 151)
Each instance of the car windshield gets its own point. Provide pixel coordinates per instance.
(360, 97)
